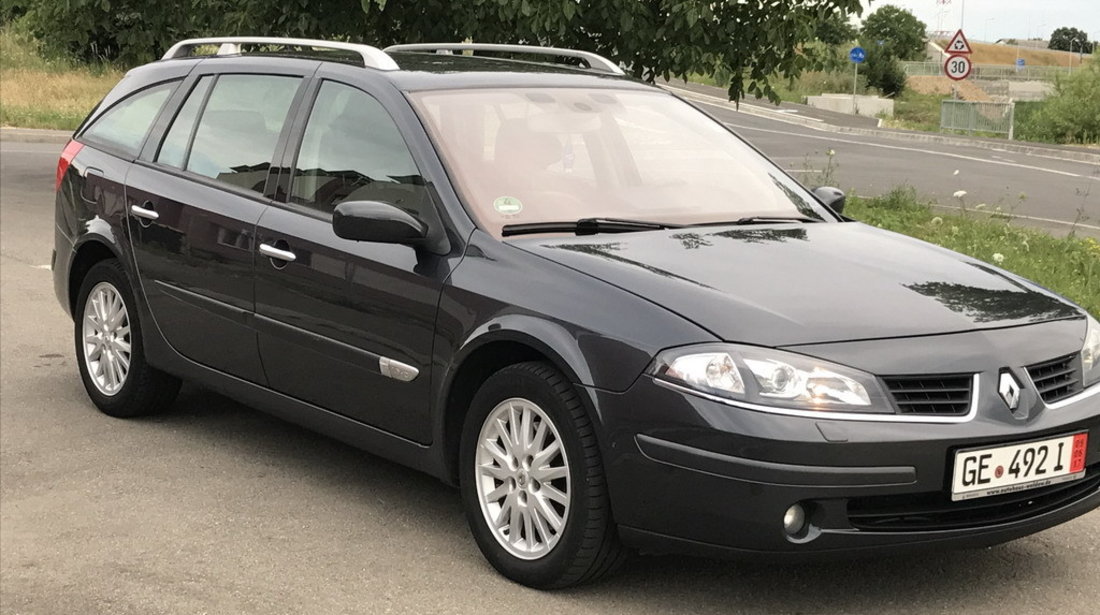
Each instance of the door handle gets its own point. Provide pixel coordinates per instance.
(277, 254)
(144, 212)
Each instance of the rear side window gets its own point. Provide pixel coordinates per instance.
(237, 130)
(123, 127)
(353, 151)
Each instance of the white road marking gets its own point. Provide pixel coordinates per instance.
(46, 267)
(1023, 217)
(912, 149)
(4, 150)
(803, 170)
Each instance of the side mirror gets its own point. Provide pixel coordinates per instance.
(377, 222)
(833, 198)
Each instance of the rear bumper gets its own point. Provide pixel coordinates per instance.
(691, 475)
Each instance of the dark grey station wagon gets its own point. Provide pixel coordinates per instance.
(604, 316)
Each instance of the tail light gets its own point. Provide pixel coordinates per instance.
(67, 156)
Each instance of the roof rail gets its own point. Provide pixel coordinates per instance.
(595, 62)
(231, 45)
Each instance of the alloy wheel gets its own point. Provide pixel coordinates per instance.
(106, 335)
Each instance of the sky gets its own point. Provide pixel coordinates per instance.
(989, 20)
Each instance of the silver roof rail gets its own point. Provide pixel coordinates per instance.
(231, 45)
(595, 62)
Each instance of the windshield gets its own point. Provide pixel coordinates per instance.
(529, 155)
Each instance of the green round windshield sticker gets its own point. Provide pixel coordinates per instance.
(507, 205)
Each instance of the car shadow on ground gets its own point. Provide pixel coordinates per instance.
(933, 581)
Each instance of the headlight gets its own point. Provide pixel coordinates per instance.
(771, 378)
(1090, 354)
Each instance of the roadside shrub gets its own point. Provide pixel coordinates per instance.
(885, 73)
(1070, 115)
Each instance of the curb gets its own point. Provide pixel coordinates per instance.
(35, 135)
(920, 137)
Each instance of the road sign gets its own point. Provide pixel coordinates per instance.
(1019, 63)
(857, 55)
(958, 44)
(957, 67)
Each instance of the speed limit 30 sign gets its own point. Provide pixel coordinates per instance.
(957, 67)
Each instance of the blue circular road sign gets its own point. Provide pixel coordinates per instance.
(857, 55)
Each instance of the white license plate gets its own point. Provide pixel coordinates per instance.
(1016, 467)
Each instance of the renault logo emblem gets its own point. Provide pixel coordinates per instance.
(1010, 390)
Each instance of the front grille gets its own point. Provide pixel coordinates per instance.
(932, 395)
(1058, 379)
(936, 511)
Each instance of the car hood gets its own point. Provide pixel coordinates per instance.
(809, 283)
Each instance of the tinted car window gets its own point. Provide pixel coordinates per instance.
(353, 151)
(123, 126)
(173, 150)
(239, 127)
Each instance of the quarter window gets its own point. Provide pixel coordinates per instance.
(239, 128)
(123, 127)
(353, 151)
(173, 150)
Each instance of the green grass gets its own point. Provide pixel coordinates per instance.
(915, 111)
(1069, 266)
(41, 92)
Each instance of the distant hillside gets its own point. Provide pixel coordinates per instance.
(985, 53)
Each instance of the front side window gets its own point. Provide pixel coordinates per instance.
(239, 127)
(558, 155)
(123, 127)
(353, 151)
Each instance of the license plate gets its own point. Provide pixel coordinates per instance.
(1016, 467)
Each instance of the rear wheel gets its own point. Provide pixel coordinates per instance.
(109, 347)
(532, 480)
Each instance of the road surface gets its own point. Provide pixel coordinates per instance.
(218, 508)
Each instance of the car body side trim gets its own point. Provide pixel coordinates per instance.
(218, 308)
(769, 472)
(838, 416)
(322, 344)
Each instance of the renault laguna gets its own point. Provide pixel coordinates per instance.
(608, 320)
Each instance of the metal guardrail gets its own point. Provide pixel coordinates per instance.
(992, 71)
(970, 116)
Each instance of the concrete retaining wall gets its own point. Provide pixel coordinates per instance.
(871, 106)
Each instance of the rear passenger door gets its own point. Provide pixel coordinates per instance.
(194, 202)
(336, 314)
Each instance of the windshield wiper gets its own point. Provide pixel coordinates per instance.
(759, 220)
(586, 226)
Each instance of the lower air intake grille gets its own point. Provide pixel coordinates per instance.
(1058, 379)
(947, 395)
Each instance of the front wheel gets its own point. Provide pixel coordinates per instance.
(532, 481)
(109, 349)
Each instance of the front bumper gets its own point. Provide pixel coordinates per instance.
(694, 475)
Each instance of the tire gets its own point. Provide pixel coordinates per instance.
(585, 546)
(112, 363)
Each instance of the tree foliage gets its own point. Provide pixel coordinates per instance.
(751, 42)
(834, 29)
(1071, 39)
(884, 72)
(901, 33)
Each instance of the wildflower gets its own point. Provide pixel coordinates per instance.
(956, 172)
(831, 152)
(998, 258)
(959, 194)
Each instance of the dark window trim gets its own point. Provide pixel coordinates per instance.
(294, 146)
(112, 149)
(266, 197)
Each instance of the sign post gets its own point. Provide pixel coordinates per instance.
(857, 56)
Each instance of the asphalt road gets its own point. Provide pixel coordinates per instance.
(217, 508)
(1053, 194)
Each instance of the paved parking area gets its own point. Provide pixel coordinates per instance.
(217, 508)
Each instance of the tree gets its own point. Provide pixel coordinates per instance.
(884, 72)
(1071, 39)
(901, 34)
(753, 43)
(834, 29)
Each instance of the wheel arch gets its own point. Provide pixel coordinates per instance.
(86, 254)
(493, 347)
